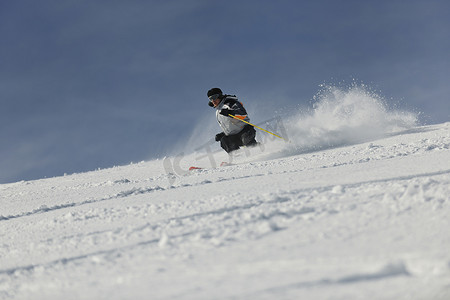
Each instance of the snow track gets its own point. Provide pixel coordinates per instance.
(360, 221)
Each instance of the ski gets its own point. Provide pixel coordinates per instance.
(222, 164)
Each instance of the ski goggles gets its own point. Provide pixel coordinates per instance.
(213, 97)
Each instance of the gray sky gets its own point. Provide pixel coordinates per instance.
(93, 84)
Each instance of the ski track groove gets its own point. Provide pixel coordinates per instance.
(124, 194)
(390, 270)
(65, 260)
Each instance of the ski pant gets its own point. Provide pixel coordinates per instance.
(244, 138)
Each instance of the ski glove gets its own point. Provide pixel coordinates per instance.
(219, 136)
(225, 112)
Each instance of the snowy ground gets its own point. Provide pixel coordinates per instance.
(364, 221)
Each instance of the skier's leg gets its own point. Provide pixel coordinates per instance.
(248, 136)
(228, 143)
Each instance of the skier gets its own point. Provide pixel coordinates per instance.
(235, 132)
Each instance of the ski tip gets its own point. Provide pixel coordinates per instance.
(195, 168)
(223, 164)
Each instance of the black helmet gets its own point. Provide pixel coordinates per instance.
(214, 91)
(213, 94)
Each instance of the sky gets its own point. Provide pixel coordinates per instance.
(95, 84)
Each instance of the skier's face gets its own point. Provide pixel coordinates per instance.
(215, 99)
(215, 102)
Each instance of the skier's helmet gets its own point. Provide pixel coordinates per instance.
(213, 94)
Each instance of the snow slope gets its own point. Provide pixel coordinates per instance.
(364, 221)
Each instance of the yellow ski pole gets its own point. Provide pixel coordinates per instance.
(256, 126)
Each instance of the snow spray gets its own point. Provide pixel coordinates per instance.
(338, 117)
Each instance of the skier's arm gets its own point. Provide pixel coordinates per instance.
(235, 109)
